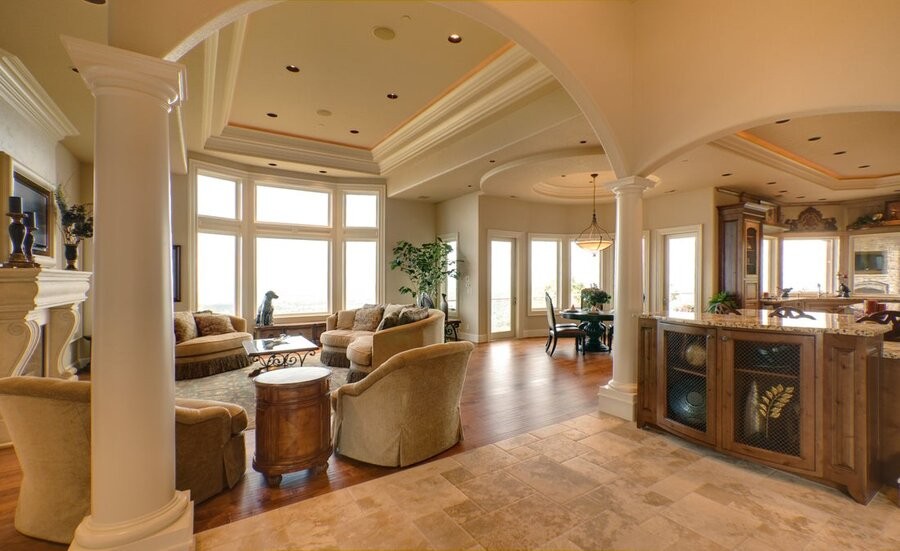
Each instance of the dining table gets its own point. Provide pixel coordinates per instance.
(592, 323)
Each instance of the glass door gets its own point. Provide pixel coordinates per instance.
(680, 281)
(502, 288)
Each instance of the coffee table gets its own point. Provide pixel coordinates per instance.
(275, 353)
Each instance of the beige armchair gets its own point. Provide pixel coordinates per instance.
(50, 424)
(404, 411)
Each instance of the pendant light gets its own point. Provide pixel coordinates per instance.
(594, 238)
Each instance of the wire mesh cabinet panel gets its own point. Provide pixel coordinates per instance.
(769, 397)
(686, 388)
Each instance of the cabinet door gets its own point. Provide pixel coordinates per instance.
(646, 410)
(768, 397)
(686, 385)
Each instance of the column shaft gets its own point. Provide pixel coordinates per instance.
(619, 395)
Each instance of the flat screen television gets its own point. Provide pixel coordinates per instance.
(869, 262)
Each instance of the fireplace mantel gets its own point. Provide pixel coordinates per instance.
(35, 297)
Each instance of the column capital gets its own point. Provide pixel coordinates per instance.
(111, 71)
(630, 184)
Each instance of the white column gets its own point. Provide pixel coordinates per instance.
(134, 504)
(619, 396)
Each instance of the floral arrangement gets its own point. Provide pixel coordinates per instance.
(592, 296)
(75, 221)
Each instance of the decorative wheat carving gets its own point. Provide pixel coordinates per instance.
(773, 401)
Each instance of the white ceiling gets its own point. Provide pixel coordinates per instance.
(478, 115)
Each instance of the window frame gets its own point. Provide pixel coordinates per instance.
(831, 262)
(378, 276)
(293, 187)
(561, 258)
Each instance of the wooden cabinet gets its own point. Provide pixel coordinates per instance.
(803, 403)
(311, 330)
(740, 242)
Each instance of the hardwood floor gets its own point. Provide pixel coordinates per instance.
(511, 387)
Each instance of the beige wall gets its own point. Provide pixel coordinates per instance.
(411, 221)
(460, 216)
(181, 236)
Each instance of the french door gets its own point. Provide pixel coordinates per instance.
(502, 288)
(680, 258)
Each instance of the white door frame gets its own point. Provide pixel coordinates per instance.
(518, 239)
(660, 236)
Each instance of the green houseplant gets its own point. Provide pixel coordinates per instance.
(426, 266)
(728, 300)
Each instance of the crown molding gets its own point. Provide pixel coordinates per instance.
(756, 152)
(24, 93)
(243, 141)
(510, 77)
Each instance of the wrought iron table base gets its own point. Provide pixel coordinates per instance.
(276, 360)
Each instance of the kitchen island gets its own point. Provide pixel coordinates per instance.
(800, 395)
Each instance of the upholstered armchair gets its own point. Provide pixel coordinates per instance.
(406, 410)
(50, 424)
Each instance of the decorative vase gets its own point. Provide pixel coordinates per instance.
(425, 301)
(71, 256)
(445, 308)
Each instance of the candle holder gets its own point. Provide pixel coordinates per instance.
(28, 242)
(17, 231)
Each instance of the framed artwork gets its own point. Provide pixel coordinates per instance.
(38, 200)
(176, 273)
(892, 210)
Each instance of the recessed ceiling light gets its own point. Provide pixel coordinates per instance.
(727, 174)
(74, 69)
(97, 2)
(770, 183)
(821, 198)
(470, 185)
(801, 197)
(814, 139)
(293, 68)
(782, 191)
(272, 164)
(562, 175)
(454, 39)
(839, 152)
(671, 191)
(583, 141)
(492, 161)
(323, 172)
(782, 121)
(863, 166)
(392, 95)
(424, 197)
(684, 160)
(273, 115)
(512, 196)
(384, 33)
(354, 131)
(323, 113)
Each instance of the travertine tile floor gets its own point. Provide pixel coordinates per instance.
(594, 482)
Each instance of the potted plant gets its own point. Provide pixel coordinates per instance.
(592, 296)
(727, 301)
(426, 266)
(76, 223)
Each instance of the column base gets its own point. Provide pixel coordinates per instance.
(616, 402)
(169, 529)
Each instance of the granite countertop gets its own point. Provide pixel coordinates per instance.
(841, 324)
(824, 298)
(891, 350)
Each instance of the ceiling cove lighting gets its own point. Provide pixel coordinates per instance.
(594, 238)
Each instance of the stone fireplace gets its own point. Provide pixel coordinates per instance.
(38, 317)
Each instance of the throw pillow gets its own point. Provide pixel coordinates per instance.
(345, 319)
(185, 327)
(409, 315)
(388, 321)
(395, 309)
(213, 324)
(367, 319)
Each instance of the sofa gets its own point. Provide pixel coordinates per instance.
(371, 424)
(50, 424)
(364, 338)
(207, 343)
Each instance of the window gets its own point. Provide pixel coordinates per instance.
(767, 271)
(216, 273)
(361, 273)
(284, 265)
(544, 260)
(360, 210)
(319, 246)
(451, 286)
(217, 197)
(584, 271)
(807, 265)
(283, 205)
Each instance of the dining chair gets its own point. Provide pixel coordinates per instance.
(561, 330)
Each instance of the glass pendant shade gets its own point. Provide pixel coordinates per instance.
(594, 238)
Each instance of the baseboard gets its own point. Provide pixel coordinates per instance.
(532, 333)
(473, 337)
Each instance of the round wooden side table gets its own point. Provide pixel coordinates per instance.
(293, 421)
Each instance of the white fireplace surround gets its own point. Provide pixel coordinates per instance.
(31, 298)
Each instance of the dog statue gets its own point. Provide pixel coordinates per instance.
(266, 311)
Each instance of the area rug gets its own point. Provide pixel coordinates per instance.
(237, 388)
